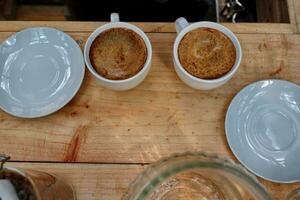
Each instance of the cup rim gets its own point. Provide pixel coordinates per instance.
(108, 26)
(216, 26)
(27, 177)
(166, 167)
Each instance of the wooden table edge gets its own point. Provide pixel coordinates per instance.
(153, 27)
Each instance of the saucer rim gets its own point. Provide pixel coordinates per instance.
(72, 94)
(229, 142)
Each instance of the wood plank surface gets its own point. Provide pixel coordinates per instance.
(159, 117)
(265, 28)
(110, 181)
(291, 12)
(273, 11)
(40, 12)
(297, 13)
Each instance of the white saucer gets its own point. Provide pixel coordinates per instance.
(263, 129)
(41, 70)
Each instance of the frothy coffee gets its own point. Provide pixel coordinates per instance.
(118, 53)
(206, 53)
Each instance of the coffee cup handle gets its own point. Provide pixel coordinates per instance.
(180, 24)
(114, 17)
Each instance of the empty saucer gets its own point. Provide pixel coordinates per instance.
(41, 69)
(263, 129)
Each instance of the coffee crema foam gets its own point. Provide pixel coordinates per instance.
(206, 53)
(118, 53)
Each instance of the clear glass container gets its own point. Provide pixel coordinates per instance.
(196, 176)
(35, 185)
(294, 195)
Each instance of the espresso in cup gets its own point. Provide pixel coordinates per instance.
(206, 53)
(118, 53)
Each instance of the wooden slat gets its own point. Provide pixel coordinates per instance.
(159, 117)
(70, 26)
(9, 9)
(297, 13)
(109, 182)
(291, 11)
(272, 11)
(264, 28)
(40, 12)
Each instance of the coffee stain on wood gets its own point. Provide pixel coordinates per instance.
(262, 46)
(75, 144)
(284, 42)
(157, 29)
(278, 70)
(172, 115)
(73, 114)
(2, 119)
(265, 45)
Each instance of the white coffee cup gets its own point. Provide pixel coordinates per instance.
(182, 28)
(124, 84)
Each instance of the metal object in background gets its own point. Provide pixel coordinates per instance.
(3, 160)
(237, 11)
(231, 9)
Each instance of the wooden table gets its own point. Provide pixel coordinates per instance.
(102, 139)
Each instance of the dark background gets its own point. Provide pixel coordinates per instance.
(140, 10)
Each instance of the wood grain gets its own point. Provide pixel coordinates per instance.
(69, 26)
(8, 10)
(90, 181)
(40, 12)
(272, 11)
(291, 12)
(110, 181)
(159, 117)
(297, 13)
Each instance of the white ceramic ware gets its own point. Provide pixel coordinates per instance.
(182, 28)
(263, 129)
(7, 190)
(125, 84)
(41, 70)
